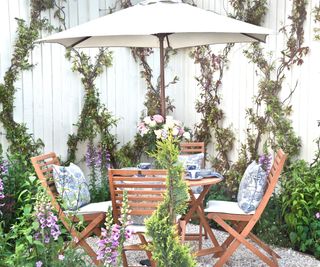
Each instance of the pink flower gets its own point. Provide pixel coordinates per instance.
(158, 118)
(61, 257)
(318, 215)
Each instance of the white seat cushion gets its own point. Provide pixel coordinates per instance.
(93, 208)
(225, 207)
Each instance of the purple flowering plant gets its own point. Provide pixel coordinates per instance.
(49, 247)
(98, 161)
(113, 236)
(47, 228)
(3, 172)
(265, 161)
(97, 157)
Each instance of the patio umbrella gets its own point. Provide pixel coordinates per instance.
(160, 24)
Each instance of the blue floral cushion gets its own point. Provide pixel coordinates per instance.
(71, 186)
(196, 159)
(252, 187)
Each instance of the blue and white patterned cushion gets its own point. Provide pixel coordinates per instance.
(196, 159)
(193, 159)
(252, 187)
(72, 186)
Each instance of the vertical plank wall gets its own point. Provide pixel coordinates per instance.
(49, 98)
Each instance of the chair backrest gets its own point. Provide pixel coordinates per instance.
(272, 181)
(145, 189)
(44, 170)
(193, 148)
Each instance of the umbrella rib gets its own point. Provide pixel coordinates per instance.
(255, 38)
(78, 42)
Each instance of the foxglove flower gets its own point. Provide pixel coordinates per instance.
(113, 236)
(48, 223)
(94, 157)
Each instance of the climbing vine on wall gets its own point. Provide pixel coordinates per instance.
(316, 13)
(212, 68)
(152, 99)
(20, 141)
(270, 126)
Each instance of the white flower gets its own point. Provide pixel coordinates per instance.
(178, 123)
(152, 123)
(175, 131)
(169, 124)
(169, 118)
(186, 135)
(158, 133)
(147, 120)
(144, 131)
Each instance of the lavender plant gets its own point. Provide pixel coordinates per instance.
(114, 235)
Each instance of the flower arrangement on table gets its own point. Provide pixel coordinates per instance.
(153, 128)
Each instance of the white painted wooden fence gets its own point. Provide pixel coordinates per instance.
(49, 98)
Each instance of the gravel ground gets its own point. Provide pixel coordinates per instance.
(241, 258)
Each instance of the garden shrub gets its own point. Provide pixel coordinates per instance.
(271, 227)
(166, 247)
(301, 205)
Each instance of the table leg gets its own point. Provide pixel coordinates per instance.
(197, 207)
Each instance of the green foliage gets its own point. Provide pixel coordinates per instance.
(18, 184)
(271, 227)
(301, 202)
(250, 11)
(129, 155)
(166, 247)
(23, 249)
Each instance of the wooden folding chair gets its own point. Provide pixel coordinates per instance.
(93, 214)
(189, 149)
(243, 223)
(145, 189)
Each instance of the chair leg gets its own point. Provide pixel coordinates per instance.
(240, 239)
(263, 245)
(182, 224)
(200, 235)
(90, 252)
(149, 254)
(124, 259)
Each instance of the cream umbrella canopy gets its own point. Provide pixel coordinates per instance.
(159, 24)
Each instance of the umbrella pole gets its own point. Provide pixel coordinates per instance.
(162, 84)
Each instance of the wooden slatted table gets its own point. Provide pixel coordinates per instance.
(197, 207)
